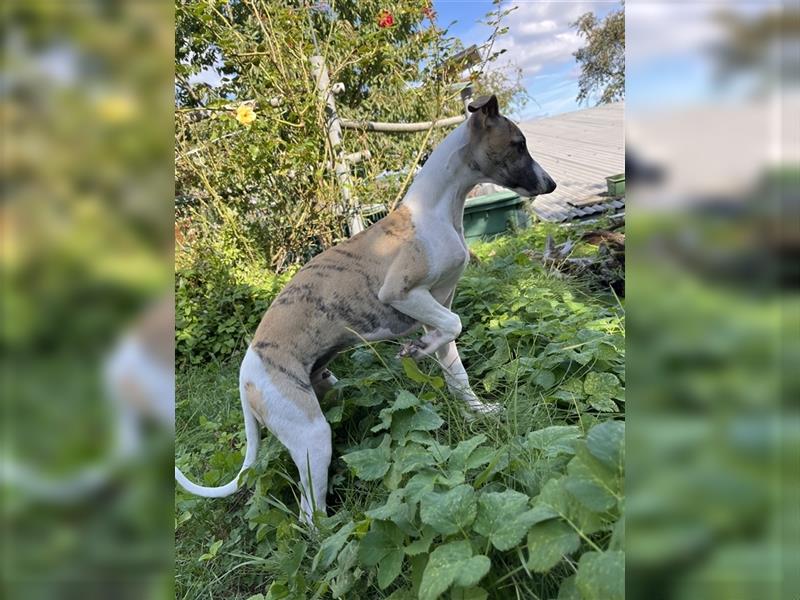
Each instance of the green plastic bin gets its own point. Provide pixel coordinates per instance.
(616, 185)
(488, 216)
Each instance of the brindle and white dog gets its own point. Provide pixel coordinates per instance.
(381, 284)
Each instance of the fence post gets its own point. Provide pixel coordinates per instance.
(334, 130)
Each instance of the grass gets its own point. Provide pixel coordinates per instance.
(549, 349)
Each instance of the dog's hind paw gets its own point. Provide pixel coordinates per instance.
(412, 350)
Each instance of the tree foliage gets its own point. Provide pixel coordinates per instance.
(602, 60)
(763, 45)
(259, 184)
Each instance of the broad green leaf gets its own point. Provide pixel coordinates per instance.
(440, 451)
(458, 457)
(420, 437)
(449, 564)
(414, 374)
(402, 595)
(553, 440)
(590, 494)
(365, 398)
(393, 477)
(386, 420)
(389, 568)
(504, 518)
(540, 513)
(450, 512)
(481, 456)
(334, 414)
(412, 457)
(544, 379)
(393, 508)
(618, 536)
(568, 591)
(606, 442)
(290, 560)
(372, 463)
(418, 564)
(331, 546)
(422, 544)
(548, 542)
(603, 385)
(420, 418)
(404, 400)
(278, 591)
(601, 575)
(591, 482)
(554, 497)
(452, 478)
(472, 593)
(345, 575)
(419, 485)
(382, 539)
(603, 404)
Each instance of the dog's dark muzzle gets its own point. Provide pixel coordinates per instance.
(538, 183)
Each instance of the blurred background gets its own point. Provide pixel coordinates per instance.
(86, 101)
(712, 160)
(87, 243)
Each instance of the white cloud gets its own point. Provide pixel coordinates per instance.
(537, 27)
(658, 30)
(540, 34)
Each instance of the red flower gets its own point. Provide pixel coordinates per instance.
(429, 12)
(385, 19)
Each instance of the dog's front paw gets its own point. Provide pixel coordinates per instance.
(485, 408)
(412, 349)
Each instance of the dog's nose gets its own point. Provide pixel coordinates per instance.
(550, 185)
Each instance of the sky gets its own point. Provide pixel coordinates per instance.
(540, 41)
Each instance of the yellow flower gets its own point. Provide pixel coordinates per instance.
(245, 114)
(116, 108)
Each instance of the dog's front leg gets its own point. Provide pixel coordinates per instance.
(442, 325)
(457, 380)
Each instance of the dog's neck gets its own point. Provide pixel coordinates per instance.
(440, 188)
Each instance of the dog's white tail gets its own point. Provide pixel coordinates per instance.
(252, 433)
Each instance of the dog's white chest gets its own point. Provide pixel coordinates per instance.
(446, 252)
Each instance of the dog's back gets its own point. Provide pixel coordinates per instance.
(332, 302)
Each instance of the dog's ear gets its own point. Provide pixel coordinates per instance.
(486, 104)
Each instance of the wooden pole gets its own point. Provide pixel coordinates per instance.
(400, 127)
(334, 130)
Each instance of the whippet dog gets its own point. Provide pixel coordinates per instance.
(381, 284)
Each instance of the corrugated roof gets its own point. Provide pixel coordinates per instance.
(579, 150)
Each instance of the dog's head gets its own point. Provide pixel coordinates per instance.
(499, 153)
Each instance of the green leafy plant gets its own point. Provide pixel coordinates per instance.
(427, 500)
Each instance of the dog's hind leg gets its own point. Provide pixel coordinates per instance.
(292, 414)
(322, 380)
